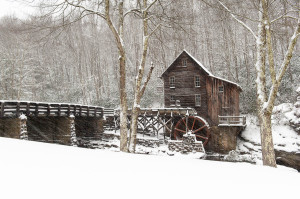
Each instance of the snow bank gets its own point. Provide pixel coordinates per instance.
(40, 170)
(284, 137)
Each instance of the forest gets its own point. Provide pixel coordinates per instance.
(73, 58)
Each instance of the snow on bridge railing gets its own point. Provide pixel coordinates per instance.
(232, 121)
(16, 108)
(163, 111)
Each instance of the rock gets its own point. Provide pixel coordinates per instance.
(289, 159)
(187, 145)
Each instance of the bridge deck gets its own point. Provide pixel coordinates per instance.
(16, 108)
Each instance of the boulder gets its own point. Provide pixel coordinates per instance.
(289, 159)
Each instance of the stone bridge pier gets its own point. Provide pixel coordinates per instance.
(90, 128)
(50, 129)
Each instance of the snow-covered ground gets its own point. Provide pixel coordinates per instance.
(248, 147)
(285, 138)
(248, 144)
(39, 170)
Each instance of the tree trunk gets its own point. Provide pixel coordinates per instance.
(133, 128)
(268, 153)
(124, 108)
(122, 87)
(138, 91)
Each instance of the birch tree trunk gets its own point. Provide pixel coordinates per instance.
(118, 35)
(266, 106)
(139, 90)
(268, 153)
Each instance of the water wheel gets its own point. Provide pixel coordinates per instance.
(192, 124)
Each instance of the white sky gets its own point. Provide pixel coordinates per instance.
(15, 7)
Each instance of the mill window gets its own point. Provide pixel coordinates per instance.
(197, 100)
(184, 63)
(172, 82)
(221, 89)
(172, 98)
(197, 81)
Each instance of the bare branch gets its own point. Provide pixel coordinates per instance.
(150, 5)
(134, 11)
(283, 16)
(239, 21)
(154, 29)
(147, 80)
(86, 9)
(284, 66)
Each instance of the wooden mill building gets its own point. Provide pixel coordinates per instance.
(187, 83)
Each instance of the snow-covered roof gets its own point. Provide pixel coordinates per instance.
(225, 80)
(200, 64)
(204, 68)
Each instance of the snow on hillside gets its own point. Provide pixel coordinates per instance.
(39, 170)
(285, 138)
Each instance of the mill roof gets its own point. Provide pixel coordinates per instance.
(200, 65)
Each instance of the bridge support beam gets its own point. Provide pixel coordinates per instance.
(52, 129)
(89, 127)
(10, 127)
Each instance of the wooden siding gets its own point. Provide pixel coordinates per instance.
(213, 102)
(224, 103)
(185, 89)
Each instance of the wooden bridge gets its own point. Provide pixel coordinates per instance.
(37, 109)
(50, 122)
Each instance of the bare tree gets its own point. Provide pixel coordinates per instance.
(264, 52)
(139, 88)
(116, 22)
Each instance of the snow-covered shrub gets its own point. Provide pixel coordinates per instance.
(294, 116)
(279, 113)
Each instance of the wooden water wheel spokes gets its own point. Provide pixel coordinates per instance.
(192, 124)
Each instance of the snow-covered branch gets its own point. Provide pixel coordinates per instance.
(147, 80)
(284, 66)
(238, 20)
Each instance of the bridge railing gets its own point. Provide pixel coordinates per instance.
(16, 108)
(162, 111)
(232, 121)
